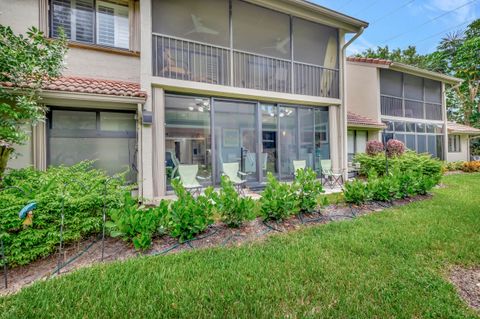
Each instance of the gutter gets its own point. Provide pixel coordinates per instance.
(343, 106)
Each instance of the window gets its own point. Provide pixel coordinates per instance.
(106, 137)
(454, 144)
(356, 142)
(91, 21)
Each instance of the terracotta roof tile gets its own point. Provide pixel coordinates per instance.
(354, 119)
(369, 60)
(95, 86)
(460, 128)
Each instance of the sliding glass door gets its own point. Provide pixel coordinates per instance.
(235, 130)
(252, 138)
(287, 140)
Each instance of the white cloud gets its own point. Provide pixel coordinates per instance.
(434, 8)
(359, 45)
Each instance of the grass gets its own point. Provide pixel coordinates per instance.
(388, 265)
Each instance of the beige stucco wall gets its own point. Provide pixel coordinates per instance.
(464, 151)
(22, 14)
(19, 14)
(102, 65)
(363, 94)
(23, 156)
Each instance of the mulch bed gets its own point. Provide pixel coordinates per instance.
(78, 256)
(467, 282)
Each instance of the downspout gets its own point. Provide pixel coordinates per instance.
(343, 106)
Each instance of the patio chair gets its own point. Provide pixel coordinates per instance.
(299, 164)
(189, 178)
(330, 176)
(232, 171)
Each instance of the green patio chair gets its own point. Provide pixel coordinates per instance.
(299, 164)
(189, 178)
(330, 176)
(232, 171)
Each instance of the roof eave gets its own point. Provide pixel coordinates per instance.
(372, 127)
(311, 11)
(424, 73)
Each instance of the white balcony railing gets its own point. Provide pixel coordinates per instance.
(182, 59)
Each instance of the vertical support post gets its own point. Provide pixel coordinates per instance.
(230, 29)
(104, 217)
(59, 264)
(292, 67)
(385, 147)
(4, 260)
(213, 151)
(259, 148)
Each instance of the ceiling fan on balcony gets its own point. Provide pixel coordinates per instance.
(280, 46)
(199, 27)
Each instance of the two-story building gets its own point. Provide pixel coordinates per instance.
(411, 104)
(153, 84)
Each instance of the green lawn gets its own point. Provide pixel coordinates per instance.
(387, 265)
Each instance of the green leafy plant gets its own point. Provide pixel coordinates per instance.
(138, 224)
(189, 216)
(279, 200)
(233, 208)
(308, 189)
(355, 192)
(383, 188)
(26, 63)
(79, 189)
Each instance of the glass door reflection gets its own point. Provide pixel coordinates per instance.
(235, 137)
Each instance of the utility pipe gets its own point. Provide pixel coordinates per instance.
(343, 107)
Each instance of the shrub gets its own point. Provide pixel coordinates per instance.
(395, 148)
(79, 187)
(453, 166)
(308, 189)
(383, 188)
(374, 147)
(233, 209)
(137, 224)
(471, 167)
(409, 161)
(279, 200)
(355, 192)
(189, 216)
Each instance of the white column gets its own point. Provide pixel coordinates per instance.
(39, 143)
(159, 180)
(146, 131)
(334, 125)
(444, 113)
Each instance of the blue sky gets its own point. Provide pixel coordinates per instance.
(399, 23)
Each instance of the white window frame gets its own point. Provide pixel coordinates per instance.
(454, 143)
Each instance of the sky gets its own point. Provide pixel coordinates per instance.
(399, 23)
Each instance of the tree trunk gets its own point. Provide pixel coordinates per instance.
(5, 152)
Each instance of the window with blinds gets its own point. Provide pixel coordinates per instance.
(91, 21)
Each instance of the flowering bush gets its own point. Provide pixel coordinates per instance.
(374, 148)
(471, 167)
(395, 148)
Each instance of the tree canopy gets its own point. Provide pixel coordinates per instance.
(26, 62)
(457, 54)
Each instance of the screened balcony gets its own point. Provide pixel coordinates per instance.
(234, 43)
(404, 95)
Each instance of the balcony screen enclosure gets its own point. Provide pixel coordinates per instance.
(258, 138)
(236, 43)
(404, 95)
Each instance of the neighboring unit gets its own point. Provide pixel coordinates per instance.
(411, 104)
(253, 84)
